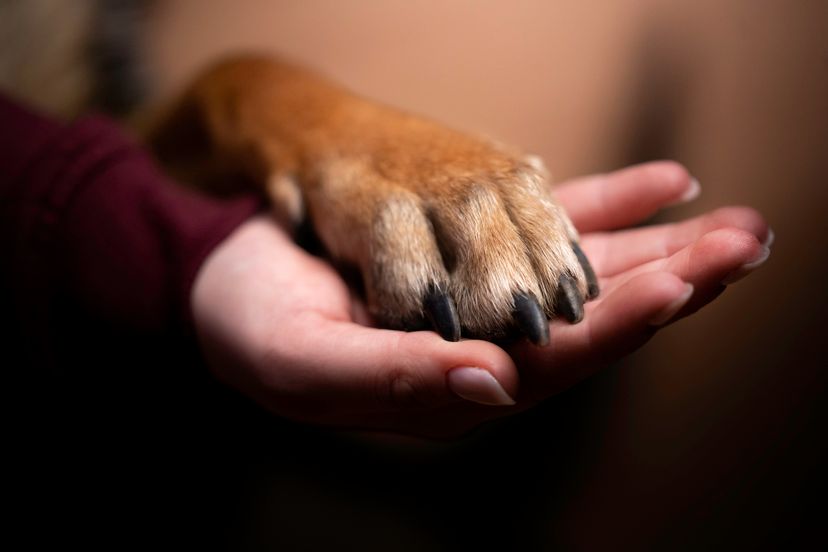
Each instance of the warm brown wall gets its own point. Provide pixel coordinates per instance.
(522, 71)
(712, 433)
(43, 57)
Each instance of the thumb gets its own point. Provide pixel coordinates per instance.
(388, 370)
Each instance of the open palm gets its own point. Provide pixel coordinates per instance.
(283, 327)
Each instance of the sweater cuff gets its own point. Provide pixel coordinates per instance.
(116, 237)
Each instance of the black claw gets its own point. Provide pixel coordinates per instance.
(531, 319)
(570, 305)
(440, 310)
(592, 281)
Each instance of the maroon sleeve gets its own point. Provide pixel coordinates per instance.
(88, 222)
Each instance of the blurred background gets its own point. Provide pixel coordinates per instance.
(711, 437)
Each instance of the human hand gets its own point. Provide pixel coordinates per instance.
(282, 326)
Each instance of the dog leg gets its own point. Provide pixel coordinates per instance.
(444, 227)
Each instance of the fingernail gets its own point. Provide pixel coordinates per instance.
(769, 239)
(668, 312)
(691, 193)
(477, 385)
(747, 268)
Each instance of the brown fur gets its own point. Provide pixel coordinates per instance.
(411, 203)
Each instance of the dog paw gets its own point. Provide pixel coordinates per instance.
(449, 232)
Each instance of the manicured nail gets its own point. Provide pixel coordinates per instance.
(477, 385)
(747, 268)
(691, 193)
(769, 239)
(668, 312)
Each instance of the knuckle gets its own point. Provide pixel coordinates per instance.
(398, 207)
(478, 199)
(399, 390)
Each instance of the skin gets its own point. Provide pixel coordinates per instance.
(282, 326)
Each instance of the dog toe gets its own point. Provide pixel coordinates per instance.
(569, 302)
(531, 320)
(593, 289)
(441, 312)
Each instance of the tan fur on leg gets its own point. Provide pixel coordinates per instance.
(414, 205)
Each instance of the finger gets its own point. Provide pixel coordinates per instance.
(364, 371)
(620, 251)
(614, 326)
(627, 196)
(709, 263)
